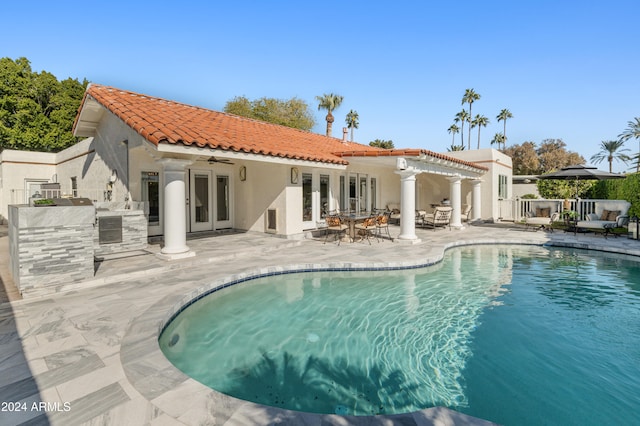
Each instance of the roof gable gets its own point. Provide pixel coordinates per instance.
(163, 121)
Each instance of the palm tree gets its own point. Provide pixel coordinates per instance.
(498, 139)
(470, 96)
(352, 121)
(610, 150)
(632, 131)
(453, 129)
(329, 102)
(455, 148)
(461, 117)
(480, 121)
(504, 115)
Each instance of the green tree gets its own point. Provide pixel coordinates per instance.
(37, 111)
(453, 129)
(553, 188)
(632, 132)
(470, 96)
(330, 102)
(479, 121)
(461, 118)
(380, 143)
(504, 115)
(610, 150)
(553, 155)
(352, 121)
(292, 112)
(498, 139)
(454, 148)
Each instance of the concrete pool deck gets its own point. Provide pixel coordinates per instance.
(91, 355)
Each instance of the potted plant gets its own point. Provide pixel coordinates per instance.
(43, 202)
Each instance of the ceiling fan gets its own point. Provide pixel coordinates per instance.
(212, 160)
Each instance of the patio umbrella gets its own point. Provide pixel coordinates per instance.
(581, 172)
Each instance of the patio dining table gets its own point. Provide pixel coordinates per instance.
(352, 219)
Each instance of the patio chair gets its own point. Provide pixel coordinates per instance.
(367, 227)
(541, 222)
(382, 223)
(335, 225)
(466, 213)
(440, 217)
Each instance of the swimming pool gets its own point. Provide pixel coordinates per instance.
(516, 335)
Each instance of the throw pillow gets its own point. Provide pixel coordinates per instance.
(613, 215)
(604, 215)
(543, 212)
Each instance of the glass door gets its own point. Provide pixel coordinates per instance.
(200, 201)
(223, 202)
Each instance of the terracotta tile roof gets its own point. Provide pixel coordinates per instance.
(163, 121)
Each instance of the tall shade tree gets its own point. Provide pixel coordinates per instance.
(479, 121)
(632, 132)
(469, 97)
(504, 115)
(453, 129)
(352, 121)
(461, 118)
(329, 102)
(498, 139)
(611, 150)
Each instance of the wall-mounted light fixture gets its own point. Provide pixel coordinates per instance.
(243, 173)
(294, 175)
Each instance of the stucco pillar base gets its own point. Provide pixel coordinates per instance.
(176, 256)
(402, 240)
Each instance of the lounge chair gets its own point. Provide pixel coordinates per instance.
(607, 215)
(542, 215)
(440, 217)
(542, 222)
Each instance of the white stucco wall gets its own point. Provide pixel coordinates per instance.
(16, 168)
(498, 164)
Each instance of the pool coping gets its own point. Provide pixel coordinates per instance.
(159, 381)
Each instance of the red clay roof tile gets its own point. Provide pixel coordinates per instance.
(163, 121)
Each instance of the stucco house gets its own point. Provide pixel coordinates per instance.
(200, 170)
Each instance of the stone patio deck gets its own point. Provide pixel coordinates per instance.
(91, 352)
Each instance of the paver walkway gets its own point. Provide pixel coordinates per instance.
(90, 353)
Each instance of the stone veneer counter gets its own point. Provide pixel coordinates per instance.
(50, 246)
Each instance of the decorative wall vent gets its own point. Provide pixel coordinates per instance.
(271, 221)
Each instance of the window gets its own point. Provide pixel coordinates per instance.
(151, 195)
(502, 187)
(324, 195)
(74, 186)
(307, 197)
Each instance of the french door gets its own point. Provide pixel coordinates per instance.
(209, 200)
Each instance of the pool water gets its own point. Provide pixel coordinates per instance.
(513, 334)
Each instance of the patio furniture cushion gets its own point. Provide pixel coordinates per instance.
(543, 212)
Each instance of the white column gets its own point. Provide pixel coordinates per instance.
(476, 210)
(456, 202)
(175, 217)
(407, 206)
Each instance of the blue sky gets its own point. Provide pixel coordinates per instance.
(565, 69)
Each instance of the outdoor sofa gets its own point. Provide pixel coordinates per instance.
(607, 215)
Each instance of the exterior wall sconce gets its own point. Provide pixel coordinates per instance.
(243, 173)
(294, 175)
